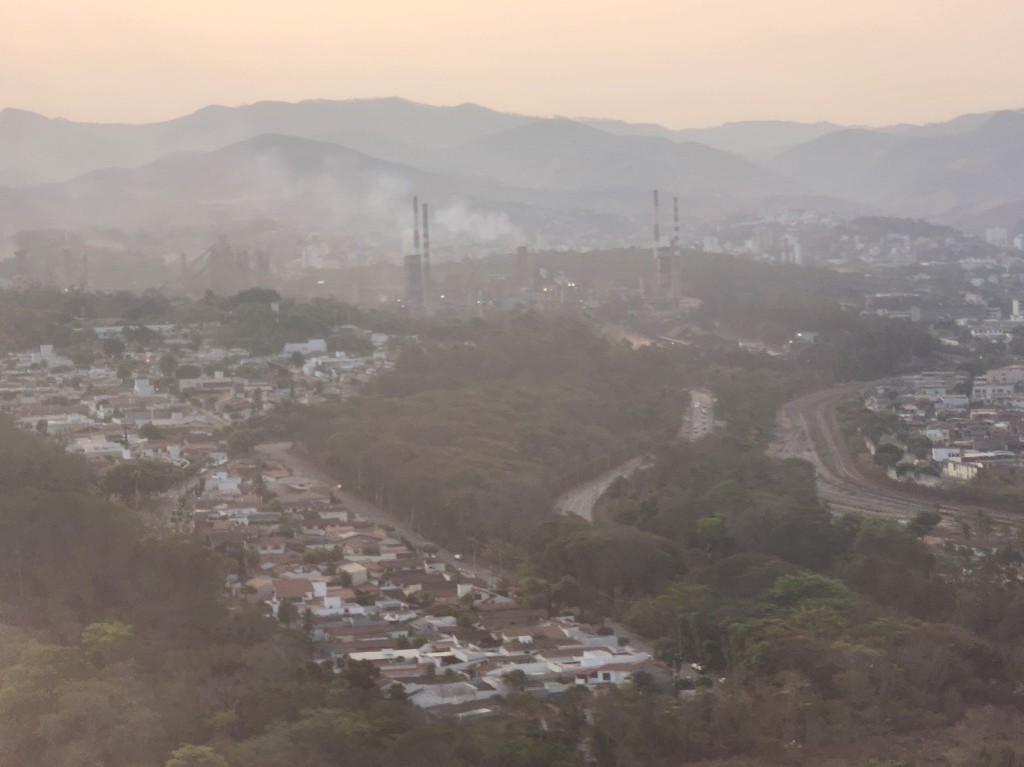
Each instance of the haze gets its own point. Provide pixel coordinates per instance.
(678, 62)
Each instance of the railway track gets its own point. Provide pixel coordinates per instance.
(808, 429)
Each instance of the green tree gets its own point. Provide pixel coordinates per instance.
(113, 347)
(55, 710)
(287, 613)
(790, 589)
(83, 357)
(196, 756)
(242, 441)
(149, 431)
(713, 535)
(353, 342)
(920, 446)
(515, 679)
(168, 365)
(105, 642)
(125, 370)
(924, 522)
(132, 480)
(887, 456)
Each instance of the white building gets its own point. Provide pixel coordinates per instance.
(996, 235)
(956, 468)
(989, 391)
(312, 346)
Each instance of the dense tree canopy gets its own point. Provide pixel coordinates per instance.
(476, 433)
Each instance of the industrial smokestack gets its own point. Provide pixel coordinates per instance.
(413, 281)
(68, 275)
(657, 259)
(426, 233)
(427, 285)
(675, 222)
(416, 225)
(657, 226)
(663, 261)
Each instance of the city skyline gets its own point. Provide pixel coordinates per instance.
(682, 64)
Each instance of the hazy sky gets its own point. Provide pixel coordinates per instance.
(684, 63)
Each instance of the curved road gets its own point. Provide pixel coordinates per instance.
(697, 422)
(581, 500)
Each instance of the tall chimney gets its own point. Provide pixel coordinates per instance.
(656, 277)
(416, 225)
(657, 229)
(675, 221)
(427, 285)
(67, 261)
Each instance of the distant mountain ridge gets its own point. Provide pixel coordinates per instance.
(754, 138)
(264, 175)
(564, 155)
(36, 149)
(44, 150)
(927, 173)
(220, 159)
(314, 185)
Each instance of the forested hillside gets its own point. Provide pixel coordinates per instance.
(480, 427)
(831, 635)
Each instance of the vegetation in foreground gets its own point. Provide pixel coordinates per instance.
(837, 637)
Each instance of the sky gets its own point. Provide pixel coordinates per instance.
(682, 63)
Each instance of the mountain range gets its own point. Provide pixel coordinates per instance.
(345, 164)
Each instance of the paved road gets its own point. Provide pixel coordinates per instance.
(301, 465)
(698, 422)
(808, 429)
(582, 499)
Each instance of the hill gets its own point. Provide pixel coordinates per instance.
(352, 164)
(273, 175)
(755, 139)
(36, 149)
(298, 181)
(930, 174)
(562, 154)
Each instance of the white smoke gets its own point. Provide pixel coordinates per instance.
(483, 226)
